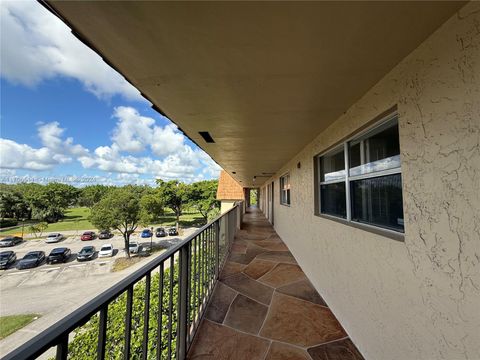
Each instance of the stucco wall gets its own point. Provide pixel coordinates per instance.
(418, 299)
(226, 205)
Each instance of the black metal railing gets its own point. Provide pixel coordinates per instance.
(152, 313)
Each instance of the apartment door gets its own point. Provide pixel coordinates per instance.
(271, 203)
(269, 209)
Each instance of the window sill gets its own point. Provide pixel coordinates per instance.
(372, 229)
(287, 205)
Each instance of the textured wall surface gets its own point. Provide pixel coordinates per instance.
(418, 299)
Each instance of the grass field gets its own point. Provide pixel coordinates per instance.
(10, 324)
(77, 219)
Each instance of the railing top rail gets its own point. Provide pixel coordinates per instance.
(48, 338)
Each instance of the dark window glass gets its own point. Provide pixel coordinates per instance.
(354, 155)
(378, 201)
(376, 151)
(332, 166)
(285, 190)
(332, 198)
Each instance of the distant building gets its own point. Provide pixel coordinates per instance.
(229, 191)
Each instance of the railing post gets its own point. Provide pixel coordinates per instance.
(183, 279)
(102, 332)
(217, 249)
(62, 348)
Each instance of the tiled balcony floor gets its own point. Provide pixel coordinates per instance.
(264, 307)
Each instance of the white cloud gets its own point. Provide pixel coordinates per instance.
(22, 156)
(55, 150)
(133, 133)
(36, 45)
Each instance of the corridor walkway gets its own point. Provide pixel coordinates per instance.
(264, 307)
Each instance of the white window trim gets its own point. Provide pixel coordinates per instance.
(346, 180)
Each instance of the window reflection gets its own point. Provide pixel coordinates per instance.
(378, 150)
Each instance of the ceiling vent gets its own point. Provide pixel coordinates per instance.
(206, 136)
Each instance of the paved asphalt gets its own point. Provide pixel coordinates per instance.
(56, 290)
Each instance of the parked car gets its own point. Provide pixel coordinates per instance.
(105, 234)
(134, 247)
(88, 235)
(7, 258)
(31, 259)
(10, 241)
(146, 233)
(160, 232)
(172, 232)
(54, 237)
(106, 250)
(61, 254)
(87, 253)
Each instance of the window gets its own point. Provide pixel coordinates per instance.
(285, 189)
(360, 181)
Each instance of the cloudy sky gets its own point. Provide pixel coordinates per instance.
(65, 115)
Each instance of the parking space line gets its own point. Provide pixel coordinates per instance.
(60, 273)
(28, 278)
(19, 273)
(48, 269)
(78, 265)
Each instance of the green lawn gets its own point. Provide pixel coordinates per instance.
(186, 220)
(77, 219)
(10, 324)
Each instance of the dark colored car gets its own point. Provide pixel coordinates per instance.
(61, 254)
(31, 260)
(88, 235)
(105, 234)
(7, 258)
(172, 232)
(10, 241)
(160, 232)
(87, 253)
(146, 233)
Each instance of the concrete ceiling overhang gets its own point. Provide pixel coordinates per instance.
(263, 78)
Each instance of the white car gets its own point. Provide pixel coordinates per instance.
(106, 251)
(54, 237)
(134, 247)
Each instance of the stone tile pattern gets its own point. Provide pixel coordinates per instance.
(264, 307)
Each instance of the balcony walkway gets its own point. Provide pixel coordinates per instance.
(264, 307)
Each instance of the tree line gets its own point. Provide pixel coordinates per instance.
(112, 207)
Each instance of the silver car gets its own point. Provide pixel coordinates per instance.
(54, 238)
(134, 248)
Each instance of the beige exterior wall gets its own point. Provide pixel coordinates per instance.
(226, 205)
(418, 299)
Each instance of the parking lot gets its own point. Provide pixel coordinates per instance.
(56, 290)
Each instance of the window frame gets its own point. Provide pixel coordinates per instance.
(283, 190)
(345, 146)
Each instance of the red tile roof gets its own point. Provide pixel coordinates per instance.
(228, 188)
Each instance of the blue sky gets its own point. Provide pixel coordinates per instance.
(66, 116)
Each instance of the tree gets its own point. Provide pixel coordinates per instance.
(120, 210)
(151, 207)
(38, 229)
(52, 201)
(12, 204)
(174, 195)
(203, 197)
(48, 202)
(31, 193)
(92, 194)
